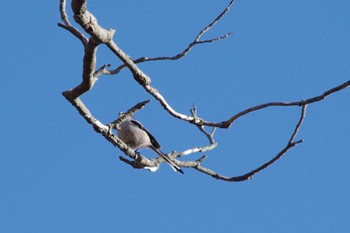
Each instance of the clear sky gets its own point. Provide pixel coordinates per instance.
(58, 175)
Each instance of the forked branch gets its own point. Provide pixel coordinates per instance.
(67, 25)
(195, 42)
(249, 175)
(99, 35)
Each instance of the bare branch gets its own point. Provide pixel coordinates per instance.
(85, 113)
(201, 159)
(132, 163)
(102, 70)
(67, 25)
(99, 35)
(195, 42)
(63, 12)
(89, 23)
(203, 31)
(105, 130)
(228, 123)
(215, 39)
(129, 113)
(291, 143)
(90, 75)
(211, 146)
(89, 79)
(312, 100)
(210, 137)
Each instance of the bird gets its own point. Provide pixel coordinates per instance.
(132, 133)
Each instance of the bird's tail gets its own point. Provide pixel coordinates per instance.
(171, 163)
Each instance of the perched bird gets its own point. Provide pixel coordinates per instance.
(133, 134)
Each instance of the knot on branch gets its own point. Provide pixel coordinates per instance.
(142, 79)
(89, 23)
(101, 35)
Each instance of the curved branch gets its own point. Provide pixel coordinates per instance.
(88, 79)
(249, 175)
(67, 25)
(286, 104)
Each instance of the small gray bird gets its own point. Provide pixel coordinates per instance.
(133, 134)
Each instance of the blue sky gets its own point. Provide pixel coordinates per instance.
(58, 175)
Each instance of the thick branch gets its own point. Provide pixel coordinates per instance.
(105, 131)
(89, 22)
(89, 79)
(100, 35)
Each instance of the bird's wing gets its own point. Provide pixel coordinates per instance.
(154, 142)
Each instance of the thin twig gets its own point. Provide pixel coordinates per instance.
(102, 70)
(286, 104)
(195, 42)
(210, 137)
(63, 12)
(121, 118)
(291, 143)
(67, 25)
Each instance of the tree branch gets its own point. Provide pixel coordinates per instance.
(311, 100)
(105, 130)
(89, 79)
(195, 42)
(67, 25)
(249, 175)
(89, 23)
(99, 35)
